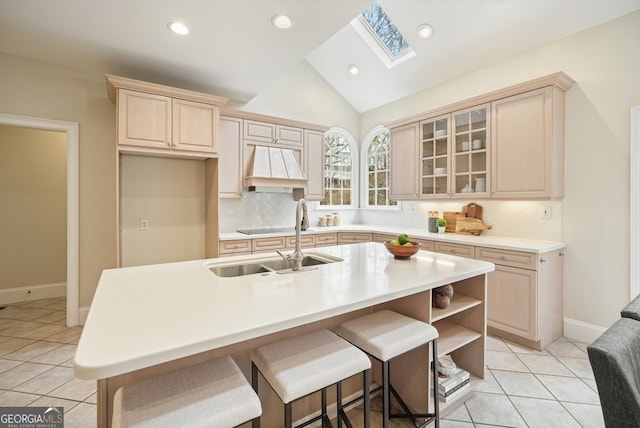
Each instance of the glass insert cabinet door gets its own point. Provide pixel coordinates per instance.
(470, 145)
(434, 156)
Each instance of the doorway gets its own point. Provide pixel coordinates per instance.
(71, 131)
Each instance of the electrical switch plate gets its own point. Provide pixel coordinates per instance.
(144, 224)
(546, 213)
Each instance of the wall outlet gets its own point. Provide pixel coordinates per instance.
(546, 213)
(144, 224)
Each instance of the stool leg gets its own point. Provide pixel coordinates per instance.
(324, 405)
(254, 383)
(339, 403)
(288, 415)
(367, 400)
(385, 394)
(436, 399)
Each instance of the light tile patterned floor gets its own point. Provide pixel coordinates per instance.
(36, 361)
(522, 387)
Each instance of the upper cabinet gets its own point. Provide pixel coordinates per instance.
(403, 152)
(506, 144)
(230, 152)
(272, 133)
(528, 144)
(159, 119)
(471, 146)
(313, 166)
(253, 134)
(434, 156)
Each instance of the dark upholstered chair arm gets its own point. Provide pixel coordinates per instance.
(615, 360)
(632, 310)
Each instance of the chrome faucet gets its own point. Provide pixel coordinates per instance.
(301, 224)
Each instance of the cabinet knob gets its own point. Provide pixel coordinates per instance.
(543, 261)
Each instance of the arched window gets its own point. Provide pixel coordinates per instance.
(339, 169)
(376, 160)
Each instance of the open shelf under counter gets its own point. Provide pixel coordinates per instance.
(453, 336)
(459, 303)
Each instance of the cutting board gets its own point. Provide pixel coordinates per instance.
(470, 226)
(451, 217)
(472, 210)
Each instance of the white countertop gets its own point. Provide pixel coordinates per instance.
(500, 242)
(147, 315)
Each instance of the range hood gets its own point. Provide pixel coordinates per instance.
(274, 169)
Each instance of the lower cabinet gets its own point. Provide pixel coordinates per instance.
(306, 241)
(235, 248)
(524, 293)
(326, 239)
(460, 250)
(353, 237)
(524, 296)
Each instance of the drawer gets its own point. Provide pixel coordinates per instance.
(325, 239)
(260, 245)
(235, 247)
(381, 237)
(426, 245)
(306, 241)
(455, 249)
(517, 259)
(353, 237)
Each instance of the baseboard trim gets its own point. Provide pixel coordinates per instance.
(32, 292)
(82, 315)
(582, 331)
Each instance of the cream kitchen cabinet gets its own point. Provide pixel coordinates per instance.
(230, 155)
(435, 158)
(505, 144)
(524, 296)
(157, 119)
(404, 153)
(353, 237)
(313, 167)
(326, 239)
(381, 237)
(261, 245)
(160, 120)
(306, 241)
(235, 248)
(470, 151)
(528, 144)
(460, 250)
(272, 133)
(427, 245)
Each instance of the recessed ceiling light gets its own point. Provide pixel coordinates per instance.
(283, 22)
(178, 28)
(425, 31)
(353, 69)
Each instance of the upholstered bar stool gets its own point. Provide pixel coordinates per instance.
(305, 364)
(385, 335)
(211, 394)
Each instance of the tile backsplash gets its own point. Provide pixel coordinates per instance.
(520, 219)
(257, 210)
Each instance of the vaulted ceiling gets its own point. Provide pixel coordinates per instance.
(233, 49)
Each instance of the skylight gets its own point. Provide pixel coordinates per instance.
(381, 34)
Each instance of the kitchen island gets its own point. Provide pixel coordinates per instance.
(151, 319)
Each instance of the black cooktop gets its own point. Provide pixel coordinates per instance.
(267, 230)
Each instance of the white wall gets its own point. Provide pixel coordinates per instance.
(170, 193)
(605, 65)
(302, 94)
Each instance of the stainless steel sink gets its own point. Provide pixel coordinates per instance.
(278, 265)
